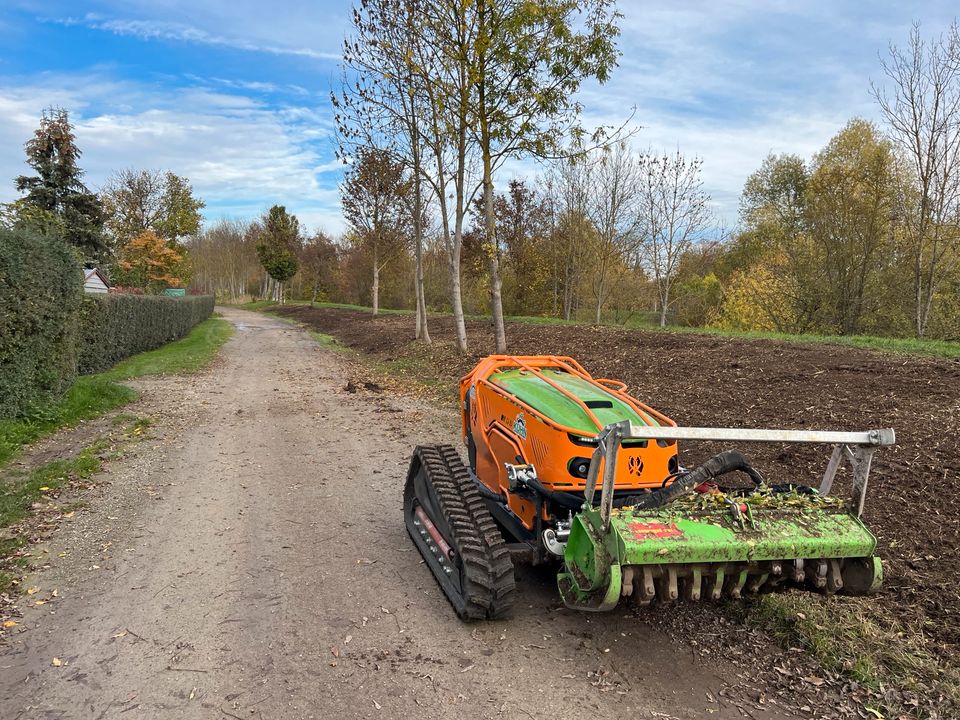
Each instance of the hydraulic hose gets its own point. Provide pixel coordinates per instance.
(726, 462)
(563, 499)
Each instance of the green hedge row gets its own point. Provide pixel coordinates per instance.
(114, 327)
(41, 286)
(50, 330)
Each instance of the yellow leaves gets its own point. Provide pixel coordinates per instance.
(9, 624)
(757, 299)
(149, 260)
(33, 591)
(56, 662)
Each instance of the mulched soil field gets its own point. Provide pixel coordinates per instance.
(913, 502)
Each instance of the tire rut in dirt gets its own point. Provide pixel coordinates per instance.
(480, 584)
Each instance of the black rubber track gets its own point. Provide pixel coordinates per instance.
(482, 587)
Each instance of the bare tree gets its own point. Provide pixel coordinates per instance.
(373, 199)
(673, 215)
(574, 239)
(318, 264)
(380, 104)
(922, 109)
(613, 183)
(224, 259)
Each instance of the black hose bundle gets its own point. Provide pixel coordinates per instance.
(726, 462)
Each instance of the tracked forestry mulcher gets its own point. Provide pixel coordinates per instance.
(571, 469)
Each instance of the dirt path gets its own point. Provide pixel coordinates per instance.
(249, 561)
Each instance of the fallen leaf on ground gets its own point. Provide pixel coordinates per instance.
(56, 662)
(10, 623)
(31, 591)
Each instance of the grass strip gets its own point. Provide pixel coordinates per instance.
(93, 395)
(903, 346)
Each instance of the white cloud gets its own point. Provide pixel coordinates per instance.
(166, 30)
(294, 28)
(728, 82)
(241, 156)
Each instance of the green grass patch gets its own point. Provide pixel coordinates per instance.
(256, 305)
(327, 341)
(93, 395)
(87, 398)
(902, 346)
(186, 355)
(19, 490)
(262, 304)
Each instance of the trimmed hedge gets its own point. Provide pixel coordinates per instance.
(114, 327)
(41, 286)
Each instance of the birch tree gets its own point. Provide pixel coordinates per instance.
(920, 101)
(380, 104)
(614, 182)
(673, 215)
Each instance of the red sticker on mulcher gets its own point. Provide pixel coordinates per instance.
(645, 531)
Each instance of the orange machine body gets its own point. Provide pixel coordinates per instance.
(546, 411)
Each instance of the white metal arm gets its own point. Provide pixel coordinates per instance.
(855, 447)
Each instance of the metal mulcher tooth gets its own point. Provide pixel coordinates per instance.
(669, 582)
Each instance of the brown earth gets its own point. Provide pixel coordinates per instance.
(249, 560)
(913, 502)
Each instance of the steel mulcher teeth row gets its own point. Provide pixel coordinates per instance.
(480, 554)
(713, 581)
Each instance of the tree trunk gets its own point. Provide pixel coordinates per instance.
(418, 322)
(422, 333)
(376, 282)
(493, 261)
(456, 299)
(425, 332)
(489, 217)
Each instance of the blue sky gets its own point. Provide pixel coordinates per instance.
(234, 95)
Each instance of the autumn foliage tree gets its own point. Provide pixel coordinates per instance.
(138, 200)
(150, 262)
(319, 265)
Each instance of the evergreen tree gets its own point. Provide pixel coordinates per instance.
(57, 188)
